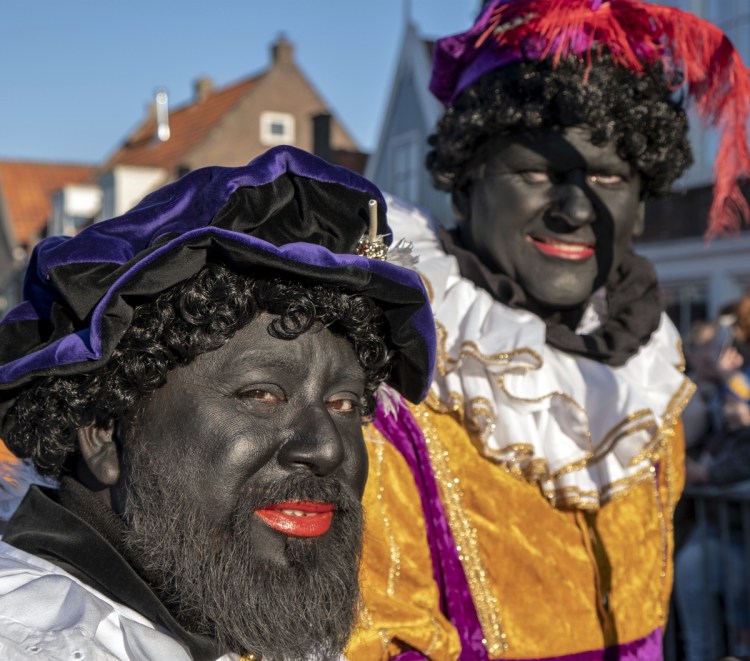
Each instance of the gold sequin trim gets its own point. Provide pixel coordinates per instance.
(394, 552)
(366, 621)
(435, 637)
(465, 535)
(666, 514)
(660, 514)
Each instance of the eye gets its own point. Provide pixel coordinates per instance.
(536, 176)
(262, 395)
(604, 179)
(345, 404)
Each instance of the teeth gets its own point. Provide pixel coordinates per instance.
(565, 247)
(294, 512)
(568, 248)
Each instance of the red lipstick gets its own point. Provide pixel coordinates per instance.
(562, 249)
(298, 518)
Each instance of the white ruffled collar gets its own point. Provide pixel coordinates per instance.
(581, 429)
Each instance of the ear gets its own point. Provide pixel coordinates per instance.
(100, 453)
(461, 205)
(640, 220)
(461, 194)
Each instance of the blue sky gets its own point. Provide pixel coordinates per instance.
(76, 76)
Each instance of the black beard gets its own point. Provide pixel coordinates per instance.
(214, 585)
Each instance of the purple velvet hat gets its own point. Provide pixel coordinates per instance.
(287, 213)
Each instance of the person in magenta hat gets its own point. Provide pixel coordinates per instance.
(196, 373)
(547, 458)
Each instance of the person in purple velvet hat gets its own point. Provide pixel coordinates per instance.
(196, 374)
(527, 510)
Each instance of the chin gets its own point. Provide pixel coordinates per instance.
(560, 298)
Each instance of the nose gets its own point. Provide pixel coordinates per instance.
(316, 445)
(574, 205)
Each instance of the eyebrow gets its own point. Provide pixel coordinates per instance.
(253, 359)
(258, 358)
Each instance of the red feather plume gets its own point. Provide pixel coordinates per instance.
(637, 33)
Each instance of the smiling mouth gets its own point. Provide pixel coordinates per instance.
(298, 518)
(563, 249)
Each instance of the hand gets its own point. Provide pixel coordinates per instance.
(730, 360)
(696, 472)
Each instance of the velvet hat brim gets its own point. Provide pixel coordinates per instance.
(285, 214)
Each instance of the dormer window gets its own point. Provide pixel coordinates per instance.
(276, 128)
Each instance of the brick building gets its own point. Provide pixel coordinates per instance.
(220, 125)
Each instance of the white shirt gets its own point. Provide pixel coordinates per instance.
(45, 613)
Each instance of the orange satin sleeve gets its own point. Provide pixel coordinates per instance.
(400, 602)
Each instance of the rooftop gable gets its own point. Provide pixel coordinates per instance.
(189, 125)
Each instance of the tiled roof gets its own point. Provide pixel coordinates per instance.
(27, 189)
(188, 127)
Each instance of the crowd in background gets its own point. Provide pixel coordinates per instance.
(717, 436)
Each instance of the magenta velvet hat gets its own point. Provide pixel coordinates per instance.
(635, 34)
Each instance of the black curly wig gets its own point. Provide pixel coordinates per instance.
(638, 112)
(191, 318)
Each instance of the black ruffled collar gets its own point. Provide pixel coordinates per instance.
(634, 306)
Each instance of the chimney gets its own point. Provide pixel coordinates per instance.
(202, 87)
(282, 52)
(162, 116)
(322, 136)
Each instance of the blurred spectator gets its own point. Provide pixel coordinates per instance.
(700, 571)
(742, 328)
(704, 346)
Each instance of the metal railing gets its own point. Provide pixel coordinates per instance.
(726, 511)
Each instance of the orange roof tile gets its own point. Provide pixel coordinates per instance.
(27, 189)
(188, 127)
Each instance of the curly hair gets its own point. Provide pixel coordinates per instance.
(189, 319)
(638, 112)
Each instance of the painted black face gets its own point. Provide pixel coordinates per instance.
(253, 417)
(554, 212)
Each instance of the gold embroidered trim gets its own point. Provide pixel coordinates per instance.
(394, 553)
(481, 418)
(538, 469)
(681, 365)
(676, 404)
(622, 429)
(588, 500)
(470, 349)
(428, 286)
(522, 449)
(549, 395)
(465, 535)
